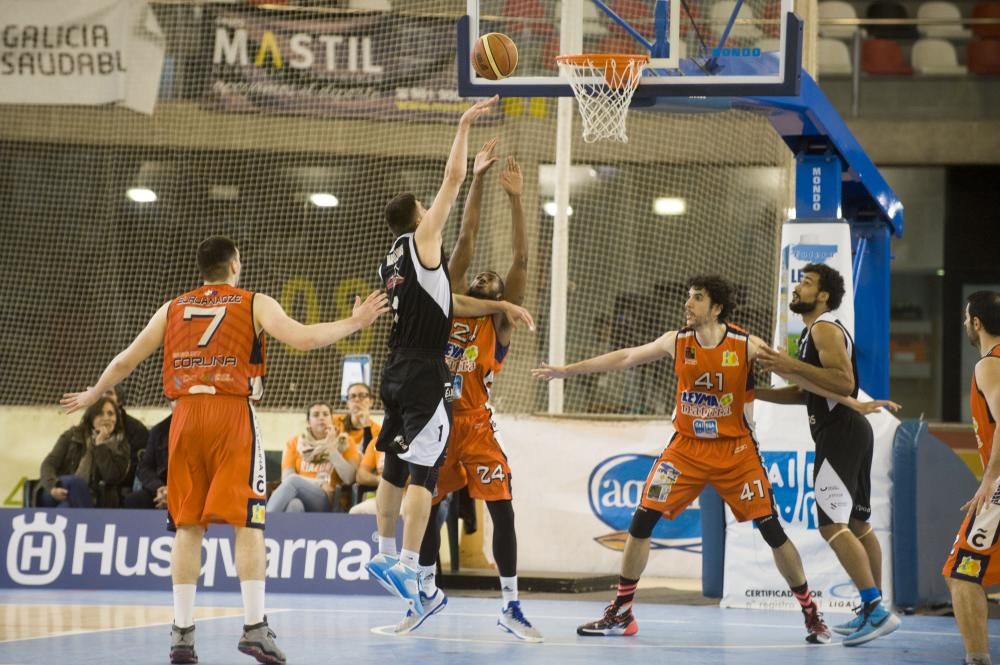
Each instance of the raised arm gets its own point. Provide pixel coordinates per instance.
(428, 233)
(836, 374)
(474, 307)
(465, 247)
(661, 347)
(143, 346)
(517, 274)
(272, 319)
(988, 380)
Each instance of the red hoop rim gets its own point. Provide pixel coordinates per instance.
(602, 59)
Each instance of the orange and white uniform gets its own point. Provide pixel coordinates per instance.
(713, 443)
(974, 555)
(213, 366)
(475, 456)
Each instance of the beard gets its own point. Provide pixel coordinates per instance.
(800, 307)
(972, 336)
(482, 294)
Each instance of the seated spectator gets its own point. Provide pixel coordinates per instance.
(313, 463)
(88, 463)
(369, 475)
(135, 433)
(357, 423)
(152, 471)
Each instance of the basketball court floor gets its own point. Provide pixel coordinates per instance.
(82, 627)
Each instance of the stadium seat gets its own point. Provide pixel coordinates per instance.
(834, 59)
(982, 56)
(987, 10)
(935, 57)
(371, 5)
(29, 492)
(722, 10)
(941, 11)
(883, 57)
(889, 9)
(834, 9)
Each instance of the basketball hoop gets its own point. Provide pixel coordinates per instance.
(603, 84)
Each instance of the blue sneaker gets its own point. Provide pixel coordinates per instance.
(406, 585)
(876, 622)
(512, 620)
(378, 566)
(854, 624)
(431, 604)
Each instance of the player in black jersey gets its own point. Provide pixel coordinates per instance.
(825, 372)
(416, 383)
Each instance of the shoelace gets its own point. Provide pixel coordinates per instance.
(515, 613)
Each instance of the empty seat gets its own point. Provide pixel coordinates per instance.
(982, 56)
(833, 58)
(883, 57)
(889, 9)
(935, 57)
(834, 9)
(940, 11)
(722, 11)
(987, 10)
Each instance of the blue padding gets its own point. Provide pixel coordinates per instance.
(713, 543)
(904, 513)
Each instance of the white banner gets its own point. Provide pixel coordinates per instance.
(576, 484)
(80, 52)
(808, 242)
(751, 579)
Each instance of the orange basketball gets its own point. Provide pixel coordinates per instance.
(494, 56)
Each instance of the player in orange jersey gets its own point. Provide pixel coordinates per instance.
(713, 444)
(213, 366)
(477, 348)
(973, 562)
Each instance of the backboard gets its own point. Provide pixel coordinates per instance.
(698, 48)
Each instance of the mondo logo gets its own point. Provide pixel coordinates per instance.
(615, 489)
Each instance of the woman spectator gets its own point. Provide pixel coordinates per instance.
(314, 463)
(88, 463)
(357, 423)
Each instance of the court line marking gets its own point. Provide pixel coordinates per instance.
(71, 633)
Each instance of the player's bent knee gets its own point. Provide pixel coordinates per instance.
(643, 521)
(771, 530)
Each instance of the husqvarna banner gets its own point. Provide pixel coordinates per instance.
(803, 243)
(751, 579)
(130, 549)
(576, 484)
(80, 52)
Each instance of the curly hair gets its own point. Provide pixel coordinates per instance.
(719, 290)
(830, 281)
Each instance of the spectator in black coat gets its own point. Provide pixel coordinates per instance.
(152, 470)
(135, 433)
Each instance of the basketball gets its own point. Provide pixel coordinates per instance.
(494, 56)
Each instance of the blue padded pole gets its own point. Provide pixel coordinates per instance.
(713, 543)
(661, 48)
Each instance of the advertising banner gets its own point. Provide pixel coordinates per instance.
(80, 52)
(130, 550)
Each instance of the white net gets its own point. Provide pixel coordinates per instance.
(603, 87)
(267, 117)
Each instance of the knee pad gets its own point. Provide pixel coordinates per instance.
(771, 530)
(422, 476)
(643, 521)
(395, 471)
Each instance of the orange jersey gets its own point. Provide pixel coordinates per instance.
(211, 346)
(713, 385)
(474, 357)
(983, 422)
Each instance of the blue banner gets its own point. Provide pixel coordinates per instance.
(130, 550)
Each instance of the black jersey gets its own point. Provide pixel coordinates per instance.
(823, 410)
(420, 298)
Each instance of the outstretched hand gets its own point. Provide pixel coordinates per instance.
(374, 306)
(873, 406)
(774, 360)
(549, 372)
(518, 316)
(485, 157)
(71, 402)
(511, 179)
(478, 109)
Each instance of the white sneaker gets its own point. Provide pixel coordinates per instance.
(513, 622)
(431, 604)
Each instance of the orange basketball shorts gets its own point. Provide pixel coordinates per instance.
(973, 557)
(215, 467)
(474, 458)
(733, 466)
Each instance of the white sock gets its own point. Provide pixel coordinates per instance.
(184, 604)
(387, 546)
(508, 587)
(253, 601)
(978, 658)
(410, 558)
(428, 583)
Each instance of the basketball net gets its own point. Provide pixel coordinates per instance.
(603, 85)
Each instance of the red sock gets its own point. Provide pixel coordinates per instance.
(626, 592)
(802, 595)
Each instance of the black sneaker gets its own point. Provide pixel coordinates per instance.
(258, 641)
(612, 623)
(819, 632)
(182, 645)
